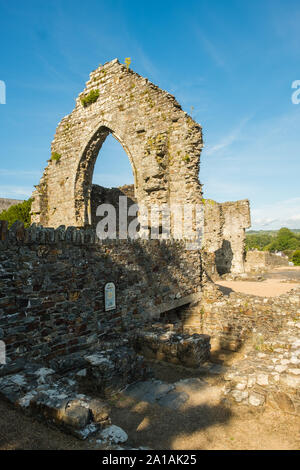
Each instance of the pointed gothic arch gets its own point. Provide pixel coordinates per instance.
(162, 142)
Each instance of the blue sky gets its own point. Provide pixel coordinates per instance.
(232, 61)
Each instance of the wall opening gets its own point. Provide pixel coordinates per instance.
(112, 168)
(113, 177)
(103, 167)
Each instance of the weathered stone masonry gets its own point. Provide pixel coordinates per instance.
(163, 145)
(52, 284)
(260, 260)
(162, 142)
(224, 233)
(224, 227)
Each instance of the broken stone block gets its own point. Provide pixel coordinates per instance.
(256, 399)
(109, 371)
(239, 395)
(113, 435)
(99, 409)
(171, 346)
(76, 415)
(262, 379)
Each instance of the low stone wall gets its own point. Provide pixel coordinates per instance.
(270, 372)
(39, 391)
(52, 287)
(232, 319)
(171, 346)
(259, 260)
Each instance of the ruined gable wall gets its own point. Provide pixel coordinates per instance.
(162, 142)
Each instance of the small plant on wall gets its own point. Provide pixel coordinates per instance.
(90, 98)
(55, 156)
(127, 62)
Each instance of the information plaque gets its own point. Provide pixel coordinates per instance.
(110, 296)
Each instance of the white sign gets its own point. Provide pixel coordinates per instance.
(110, 296)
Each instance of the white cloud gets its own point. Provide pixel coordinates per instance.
(284, 213)
(229, 139)
(16, 192)
(17, 173)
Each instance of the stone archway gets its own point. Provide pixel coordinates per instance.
(162, 142)
(84, 175)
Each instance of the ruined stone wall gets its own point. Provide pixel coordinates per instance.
(224, 228)
(269, 372)
(232, 319)
(100, 195)
(162, 142)
(52, 287)
(7, 203)
(224, 233)
(259, 260)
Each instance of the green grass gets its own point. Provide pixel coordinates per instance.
(90, 98)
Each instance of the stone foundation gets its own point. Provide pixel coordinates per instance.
(270, 373)
(171, 346)
(39, 391)
(232, 319)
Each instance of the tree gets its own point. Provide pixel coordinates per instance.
(296, 258)
(257, 241)
(19, 212)
(285, 240)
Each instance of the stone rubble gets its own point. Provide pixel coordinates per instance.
(270, 372)
(56, 399)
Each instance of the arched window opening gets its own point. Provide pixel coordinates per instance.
(113, 176)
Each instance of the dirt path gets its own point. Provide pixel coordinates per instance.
(206, 426)
(203, 422)
(18, 431)
(267, 288)
(292, 272)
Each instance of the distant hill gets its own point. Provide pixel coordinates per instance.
(7, 203)
(269, 232)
